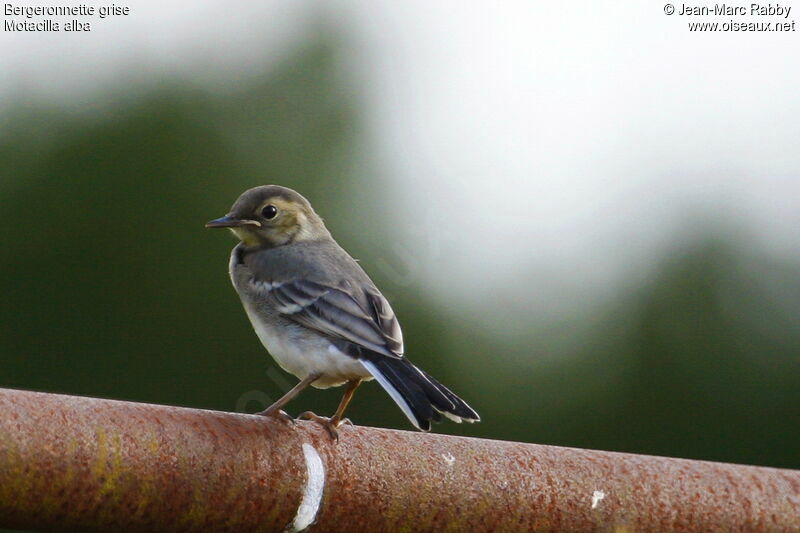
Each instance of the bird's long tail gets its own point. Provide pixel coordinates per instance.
(421, 398)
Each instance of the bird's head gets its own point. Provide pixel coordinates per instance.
(271, 216)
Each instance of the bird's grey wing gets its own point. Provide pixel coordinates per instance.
(361, 321)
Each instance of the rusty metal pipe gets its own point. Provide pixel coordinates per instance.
(74, 463)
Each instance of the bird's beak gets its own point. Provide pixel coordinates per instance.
(231, 222)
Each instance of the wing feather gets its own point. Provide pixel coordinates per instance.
(336, 312)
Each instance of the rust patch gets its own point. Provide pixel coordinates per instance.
(70, 463)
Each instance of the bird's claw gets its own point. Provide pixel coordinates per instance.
(328, 423)
(280, 414)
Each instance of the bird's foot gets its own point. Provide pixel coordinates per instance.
(279, 414)
(329, 424)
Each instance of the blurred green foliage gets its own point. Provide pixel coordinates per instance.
(111, 286)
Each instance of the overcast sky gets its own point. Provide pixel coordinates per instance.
(568, 137)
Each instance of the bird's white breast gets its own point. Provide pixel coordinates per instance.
(297, 349)
(301, 354)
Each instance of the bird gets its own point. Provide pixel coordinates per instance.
(319, 314)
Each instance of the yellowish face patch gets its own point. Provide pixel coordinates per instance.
(289, 214)
(245, 235)
(291, 223)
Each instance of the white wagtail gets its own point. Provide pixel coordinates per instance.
(318, 313)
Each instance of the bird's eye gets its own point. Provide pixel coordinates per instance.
(269, 212)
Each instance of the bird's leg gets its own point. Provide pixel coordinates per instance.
(275, 411)
(336, 420)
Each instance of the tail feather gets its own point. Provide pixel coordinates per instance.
(407, 373)
(410, 389)
(460, 408)
(421, 398)
(402, 398)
